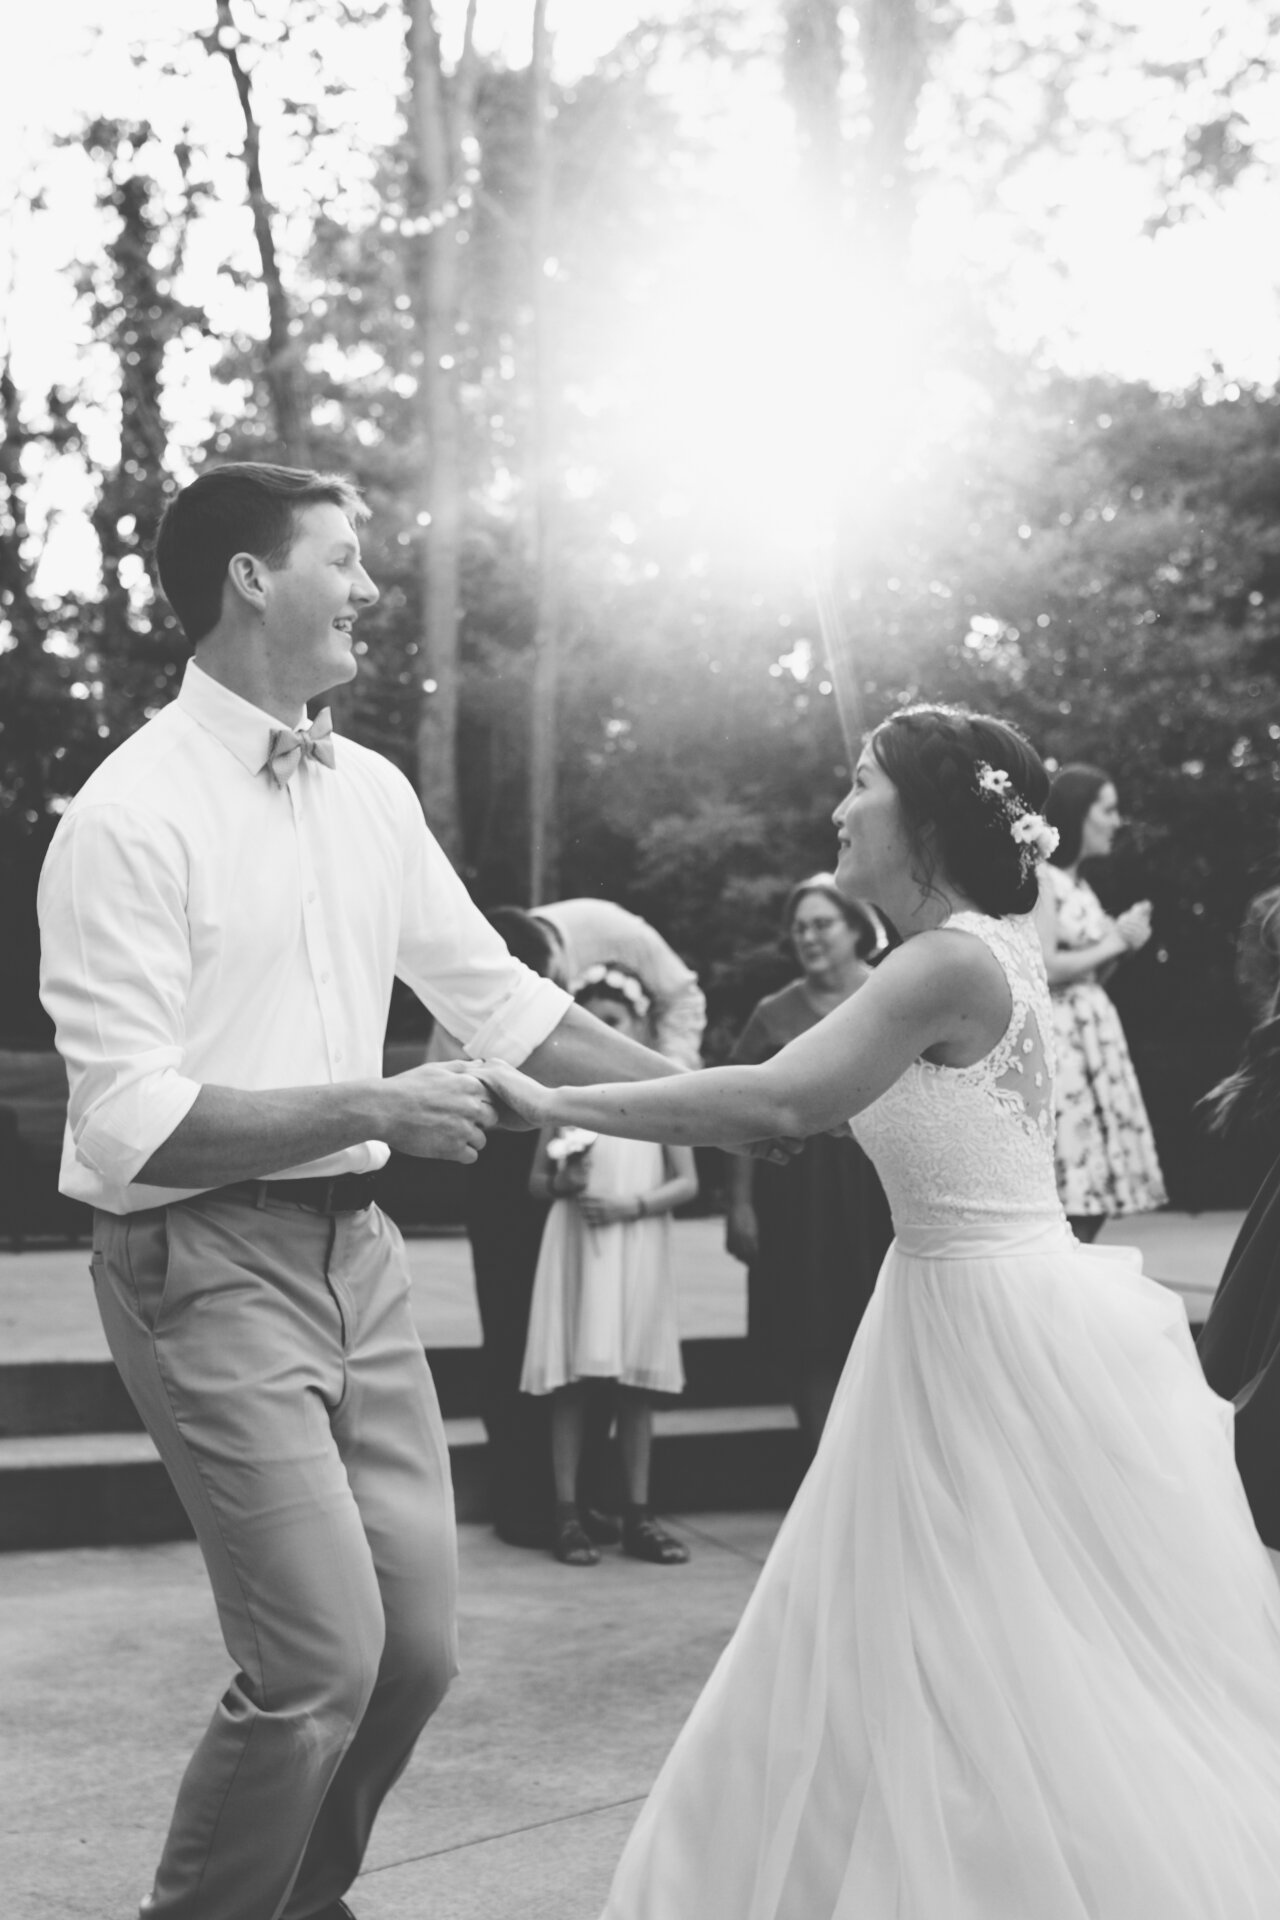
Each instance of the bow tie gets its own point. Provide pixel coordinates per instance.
(288, 748)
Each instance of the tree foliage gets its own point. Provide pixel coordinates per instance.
(1097, 560)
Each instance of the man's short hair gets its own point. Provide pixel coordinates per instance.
(242, 507)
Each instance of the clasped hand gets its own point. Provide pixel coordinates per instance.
(607, 1210)
(521, 1102)
(1134, 925)
(441, 1111)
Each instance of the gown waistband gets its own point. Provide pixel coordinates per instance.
(983, 1239)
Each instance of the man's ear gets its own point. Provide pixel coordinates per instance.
(246, 577)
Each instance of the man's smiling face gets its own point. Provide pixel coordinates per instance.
(314, 599)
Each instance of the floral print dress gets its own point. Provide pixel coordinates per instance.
(1105, 1153)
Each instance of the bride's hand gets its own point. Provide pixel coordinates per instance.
(521, 1102)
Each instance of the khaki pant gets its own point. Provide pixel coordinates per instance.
(272, 1354)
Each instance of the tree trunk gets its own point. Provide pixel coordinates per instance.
(543, 850)
(813, 68)
(874, 244)
(891, 42)
(280, 370)
(439, 119)
(813, 63)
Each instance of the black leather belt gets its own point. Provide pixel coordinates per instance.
(343, 1193)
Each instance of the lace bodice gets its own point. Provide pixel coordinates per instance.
(967, 1144)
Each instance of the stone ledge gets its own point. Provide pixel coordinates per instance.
(110, 1489)
(88, 1396)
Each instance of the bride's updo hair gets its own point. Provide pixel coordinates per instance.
(959, 830)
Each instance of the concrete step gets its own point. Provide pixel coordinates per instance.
(88, 1396)
(63, 1396)
(110, 1489)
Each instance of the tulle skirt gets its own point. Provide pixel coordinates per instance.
(1016, 1652)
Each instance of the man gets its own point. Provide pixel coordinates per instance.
(504, 1226)
(504, 1221)
(588, 932)
(223, 909)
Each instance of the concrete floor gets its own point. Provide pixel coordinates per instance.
(518, 1800)
(574, 1682)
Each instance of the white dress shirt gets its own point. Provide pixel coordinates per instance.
(201, 925)
(593, 931)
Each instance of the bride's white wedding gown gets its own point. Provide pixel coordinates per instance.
(1016, 1652)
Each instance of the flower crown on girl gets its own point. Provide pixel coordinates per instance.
(619, 980)
(1036, 839)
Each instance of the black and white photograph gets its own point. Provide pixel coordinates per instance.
(640, 960)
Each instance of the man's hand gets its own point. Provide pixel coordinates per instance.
(518, 1101)
(438, 1112)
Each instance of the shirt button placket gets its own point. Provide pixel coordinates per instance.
(318, 950)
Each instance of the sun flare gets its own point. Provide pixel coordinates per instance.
(771, 393)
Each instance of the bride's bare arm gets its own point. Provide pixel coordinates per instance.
(938, 990)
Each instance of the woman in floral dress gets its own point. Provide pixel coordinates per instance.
(1105, 1153)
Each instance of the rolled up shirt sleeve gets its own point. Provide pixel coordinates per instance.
(460, 968)
(114, 976)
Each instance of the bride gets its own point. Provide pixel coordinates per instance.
(1015, 1654)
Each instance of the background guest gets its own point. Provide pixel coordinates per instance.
(603, 1297)
(590, 931)
(1239, 1344)
(813, 1233)
(585, 933)
(1106, 1154)
(1258, 955)
(504, 1222)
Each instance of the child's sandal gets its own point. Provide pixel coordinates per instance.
(571, 1545)
(603, 1528)
(645, 1540)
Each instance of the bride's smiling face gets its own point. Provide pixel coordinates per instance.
(875, 848)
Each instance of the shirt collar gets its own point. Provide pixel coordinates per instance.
(243, 729)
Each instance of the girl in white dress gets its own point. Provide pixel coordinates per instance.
(1016, 1652)
(604, 1305)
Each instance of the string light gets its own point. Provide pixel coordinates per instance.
(419, 225)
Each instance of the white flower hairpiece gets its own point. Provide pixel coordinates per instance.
(619, 981)
(1035, 838)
